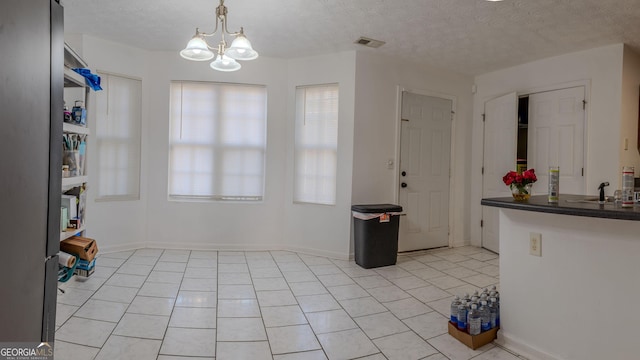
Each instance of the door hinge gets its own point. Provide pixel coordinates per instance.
(483, 170)
(482, 117)
(584, 104)
(582, 171)
(481, 223)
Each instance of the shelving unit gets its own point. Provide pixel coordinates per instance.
(69, 182)
(76, 129)
(75, 88)
(70, 233)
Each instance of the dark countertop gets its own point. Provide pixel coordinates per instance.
(539, 203)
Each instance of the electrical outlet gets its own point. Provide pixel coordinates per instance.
(535, 244)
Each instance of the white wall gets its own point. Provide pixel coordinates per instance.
(378, 80)
(214, 225)
(322, 229)
(629, 116)
(116, 224)
(601, 68)
(274, 223)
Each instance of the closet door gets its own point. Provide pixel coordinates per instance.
(556, 138)
(500, 136)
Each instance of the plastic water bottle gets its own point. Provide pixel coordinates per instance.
(454, 310)
(469, 308)
(475, 320)
(627, 186)
(475, 297)
(493, 311)
(496, 305)
(554, 184)
(485, 315)
(462, 316)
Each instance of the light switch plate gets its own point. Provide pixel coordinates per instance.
(535, 244)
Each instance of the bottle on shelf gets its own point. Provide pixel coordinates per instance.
(79, 113)
(475, 320)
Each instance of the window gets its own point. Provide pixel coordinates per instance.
(217, 141)
(316, 144)
(118, 122)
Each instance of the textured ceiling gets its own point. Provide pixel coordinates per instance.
(467, 36)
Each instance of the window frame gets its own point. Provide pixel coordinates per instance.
(216, 148)
(129, 197)
(296, 146)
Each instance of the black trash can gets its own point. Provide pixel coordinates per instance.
(375, 232)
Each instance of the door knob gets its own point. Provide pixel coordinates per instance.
(404, 185)
(404, 173)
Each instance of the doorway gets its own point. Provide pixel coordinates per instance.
(425, 159)
(537, 130)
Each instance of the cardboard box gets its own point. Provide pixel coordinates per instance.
(85, 248)
(474, 341)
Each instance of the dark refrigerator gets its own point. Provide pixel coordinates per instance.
(31, 98)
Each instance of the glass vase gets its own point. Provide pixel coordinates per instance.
(521, 192)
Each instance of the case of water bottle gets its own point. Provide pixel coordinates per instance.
(469, 331)
(473, 341)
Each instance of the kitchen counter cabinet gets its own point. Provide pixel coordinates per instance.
(576, 300)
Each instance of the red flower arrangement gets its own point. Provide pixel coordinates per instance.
(519, 181)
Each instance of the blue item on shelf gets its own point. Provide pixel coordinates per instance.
(93, 80)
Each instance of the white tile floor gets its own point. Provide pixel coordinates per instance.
(177, 304)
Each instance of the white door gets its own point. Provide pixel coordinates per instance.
(425, 153)
(556, 138)
(500, 152)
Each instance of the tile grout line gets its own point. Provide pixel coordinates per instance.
(316, 279)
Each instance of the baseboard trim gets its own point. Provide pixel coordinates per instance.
(224, 247)
(521, 348)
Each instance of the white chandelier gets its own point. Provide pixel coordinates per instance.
(198, 50)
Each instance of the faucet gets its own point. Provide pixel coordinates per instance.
(601, 188)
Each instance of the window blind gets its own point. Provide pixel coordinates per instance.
(118, 132)
(217, 141)
(316, 144)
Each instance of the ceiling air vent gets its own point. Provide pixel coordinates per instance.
(369, 42)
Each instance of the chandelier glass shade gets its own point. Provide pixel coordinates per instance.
(198, 49)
